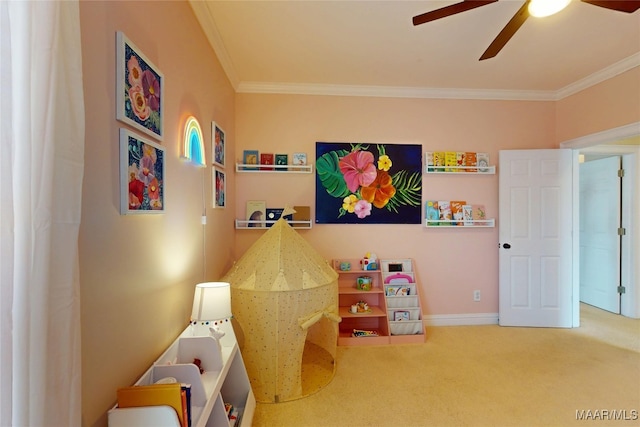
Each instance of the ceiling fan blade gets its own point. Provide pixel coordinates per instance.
(628, 6)
(507, 32)
(450, 10)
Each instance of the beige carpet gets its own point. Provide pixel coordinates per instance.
(482, 376)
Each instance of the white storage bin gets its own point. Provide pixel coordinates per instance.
(406, 327)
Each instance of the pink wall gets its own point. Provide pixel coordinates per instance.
(138, 272)
(607, 105)
(451, 263)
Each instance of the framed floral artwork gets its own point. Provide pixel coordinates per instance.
(360, 183)
(219, 188)
(142, 180)
(139, 89)
(217, 145)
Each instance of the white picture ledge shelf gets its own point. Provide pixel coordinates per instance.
(244, 168)
(477, 223)
(461, 170)
(242, 224)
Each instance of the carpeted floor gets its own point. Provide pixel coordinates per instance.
(482, 376)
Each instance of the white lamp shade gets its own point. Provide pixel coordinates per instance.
(542, 8)
(212, 301)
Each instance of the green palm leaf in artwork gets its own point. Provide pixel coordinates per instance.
(408, 190)
(328, 170)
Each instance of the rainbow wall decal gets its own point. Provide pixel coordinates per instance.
(193, 142)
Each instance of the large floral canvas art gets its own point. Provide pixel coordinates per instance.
(141, 175)
(139, 89)
(360, 183)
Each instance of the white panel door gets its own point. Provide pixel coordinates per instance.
(599, 240)
(535, 224)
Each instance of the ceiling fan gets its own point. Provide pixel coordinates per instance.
(628, 6)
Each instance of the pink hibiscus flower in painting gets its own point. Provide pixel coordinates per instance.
(139, 103)
(135, 72)
(153, 189)
(358, 169)
(362, 209)
(151, 88)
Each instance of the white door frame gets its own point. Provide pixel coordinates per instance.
(605, 142)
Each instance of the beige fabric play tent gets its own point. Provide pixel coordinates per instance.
(284, 297)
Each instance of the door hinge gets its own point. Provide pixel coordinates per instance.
(622, 231)
(620, 173)
(621, 289)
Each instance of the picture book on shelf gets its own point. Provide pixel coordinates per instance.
(256, 213)
(478, 212)
(274, 214)
(470, 159)
(397, 291)
(428, 160)
(299, 159)
(266, 159)
(431, 211)
(250, 157)
(438, 160)
(450, 159)
(456, 211)
(400, 315)
(282, 160)
(460, 156)
(467, 214)
(444, 210)
(483, 162)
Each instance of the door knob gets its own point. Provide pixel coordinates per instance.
(506, 245)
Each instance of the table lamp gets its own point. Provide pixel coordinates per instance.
(212, 307)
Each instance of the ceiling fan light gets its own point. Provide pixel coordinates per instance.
(542, 8)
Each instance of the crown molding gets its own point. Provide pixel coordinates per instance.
(208, 25)
(600, 76)
(393, 92)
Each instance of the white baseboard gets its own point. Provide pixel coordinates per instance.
(460, 319)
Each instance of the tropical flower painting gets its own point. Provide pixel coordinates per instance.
(141, 175)
(139, 89)
(359, 183)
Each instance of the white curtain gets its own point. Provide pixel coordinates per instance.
(41, 169)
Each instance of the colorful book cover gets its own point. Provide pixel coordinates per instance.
(299, 159)
(250, 157)
(483, 162)
(478, 212)
(256, 213)
(438, 160)
(456, 211)
(431, 212)
(428, 161)
(282, 160)
(450, 159)
(302, 213)
(266, 159)
(460, 159)
(470, 159)
(467, 214)
(274, 214)
(444, 211)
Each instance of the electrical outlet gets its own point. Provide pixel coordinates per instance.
(476, 295)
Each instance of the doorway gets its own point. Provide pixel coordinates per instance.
(624, 142)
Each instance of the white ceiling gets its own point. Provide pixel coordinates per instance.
(372, 48)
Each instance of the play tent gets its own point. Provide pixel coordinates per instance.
(284, 298)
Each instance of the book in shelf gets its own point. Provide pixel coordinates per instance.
(256, 213)
(266, 159)
(456, 211)
(171, 394)
(282, 160)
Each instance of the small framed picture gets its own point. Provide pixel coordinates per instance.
(142, 180)
(139, 89)
(219, 188)
(250, 157)
(400, 315)
(299, 159)
(217, 145)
